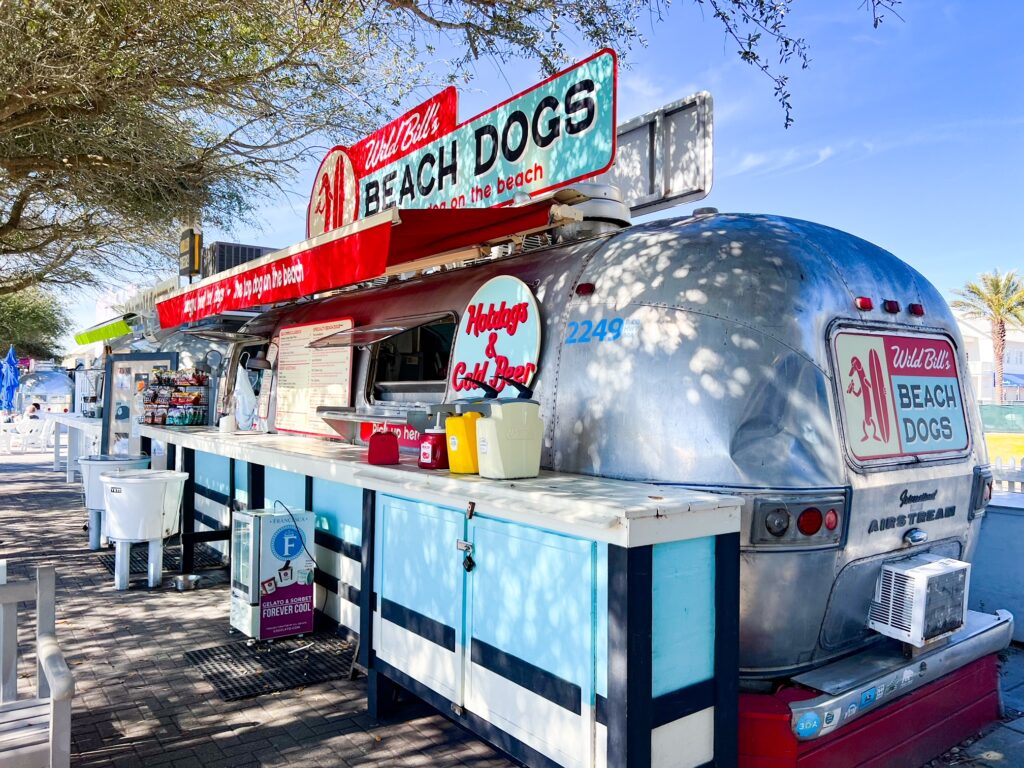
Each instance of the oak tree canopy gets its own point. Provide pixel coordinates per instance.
(122, 120)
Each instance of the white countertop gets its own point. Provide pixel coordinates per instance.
(615, 511)
(74, 421)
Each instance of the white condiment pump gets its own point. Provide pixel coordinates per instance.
(509, 439)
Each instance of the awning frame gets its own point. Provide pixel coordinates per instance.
(108, 329)
(392, 327)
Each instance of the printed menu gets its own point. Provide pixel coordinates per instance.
(308, 378)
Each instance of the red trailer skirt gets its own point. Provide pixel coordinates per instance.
(909, 731)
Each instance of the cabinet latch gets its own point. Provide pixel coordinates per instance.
(467, 562)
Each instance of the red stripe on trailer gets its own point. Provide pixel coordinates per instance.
(910, 730)
(370, 248)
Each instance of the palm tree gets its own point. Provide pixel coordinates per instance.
(999, 299)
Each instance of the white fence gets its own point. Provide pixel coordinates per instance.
(1009, 475)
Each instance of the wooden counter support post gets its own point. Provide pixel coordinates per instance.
(254, 483)
(727, 648)
(57, 427)
(628, 707)
(673, 640)
(188, 510)
(381, 693)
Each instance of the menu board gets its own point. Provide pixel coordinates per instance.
(308, 378)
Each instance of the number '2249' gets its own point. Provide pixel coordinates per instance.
(586, 331)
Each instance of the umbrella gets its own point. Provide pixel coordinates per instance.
(9, 380)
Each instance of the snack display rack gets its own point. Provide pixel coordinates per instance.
(177, 398)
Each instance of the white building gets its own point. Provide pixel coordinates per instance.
(981, 360)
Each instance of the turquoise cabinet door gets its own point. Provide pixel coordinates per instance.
(530, 620)
(418, 618)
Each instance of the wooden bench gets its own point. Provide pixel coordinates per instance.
(34, 733)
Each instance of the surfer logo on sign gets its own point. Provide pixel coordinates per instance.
(873, 395)
(334, 194)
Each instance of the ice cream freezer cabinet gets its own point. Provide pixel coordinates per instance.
(272, 573)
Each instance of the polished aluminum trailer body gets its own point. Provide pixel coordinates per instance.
(722, 378)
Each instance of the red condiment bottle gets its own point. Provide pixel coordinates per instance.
(434, 448)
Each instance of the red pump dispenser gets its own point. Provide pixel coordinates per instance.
(433, 447)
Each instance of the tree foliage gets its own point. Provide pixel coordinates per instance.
(998, 298)
(33, 321)
(122, 120)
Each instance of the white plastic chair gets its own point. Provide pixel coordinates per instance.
(36, 732)
(33, 433)
(46, 434)
(6, 429)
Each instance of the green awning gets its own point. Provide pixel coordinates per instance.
(108, 329)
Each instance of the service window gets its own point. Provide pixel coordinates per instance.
(409, 356)
(411, 366)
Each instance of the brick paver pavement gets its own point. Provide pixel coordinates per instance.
(138, 703)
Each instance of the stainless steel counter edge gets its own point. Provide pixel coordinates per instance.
(614, 511)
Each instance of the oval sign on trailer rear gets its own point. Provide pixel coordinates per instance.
(901, 395)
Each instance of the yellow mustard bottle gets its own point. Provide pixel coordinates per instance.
(461, 434)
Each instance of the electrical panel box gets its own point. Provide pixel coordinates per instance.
(218, 256)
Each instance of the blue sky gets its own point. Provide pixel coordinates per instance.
(910, 135)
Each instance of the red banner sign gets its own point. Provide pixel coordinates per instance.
(344, 260)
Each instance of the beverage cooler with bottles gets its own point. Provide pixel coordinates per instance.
(272, 571)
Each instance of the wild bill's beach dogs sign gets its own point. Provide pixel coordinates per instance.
(550, 136)
(559, 131)
(901, 395)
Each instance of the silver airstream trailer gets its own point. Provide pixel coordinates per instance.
(48, 387)
(717, 352)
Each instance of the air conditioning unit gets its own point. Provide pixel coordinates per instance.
(920, 599)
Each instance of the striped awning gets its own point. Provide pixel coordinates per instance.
(108, 329)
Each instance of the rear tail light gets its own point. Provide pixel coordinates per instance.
(891, 306)
(810, 521)
(831, 520)
(777, 522)
(864, 304)
(798, 520)
(917, 310)
(981, 491)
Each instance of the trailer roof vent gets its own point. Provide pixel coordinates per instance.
(536, 240)
(706, 211)
(603, 212)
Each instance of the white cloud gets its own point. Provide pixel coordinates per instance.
(639, 94)
(769, 161)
